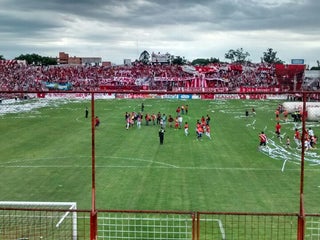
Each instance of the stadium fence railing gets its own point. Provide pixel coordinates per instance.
(44, 224)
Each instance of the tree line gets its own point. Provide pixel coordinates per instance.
(233, 55)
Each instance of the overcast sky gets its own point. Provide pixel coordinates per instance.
(122, 29)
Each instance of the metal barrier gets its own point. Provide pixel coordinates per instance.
(60, 224)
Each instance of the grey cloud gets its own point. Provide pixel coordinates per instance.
(163, 20)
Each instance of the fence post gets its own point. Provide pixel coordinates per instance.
(93, 225)
(93, 214)
(301, 217)
(198, 226)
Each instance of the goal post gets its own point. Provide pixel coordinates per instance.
(30, 220)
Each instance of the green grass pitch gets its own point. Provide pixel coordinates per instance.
(46, 156)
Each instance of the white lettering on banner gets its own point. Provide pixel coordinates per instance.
(226, 96)
(166, 96)
(184, 96)
(257, 89)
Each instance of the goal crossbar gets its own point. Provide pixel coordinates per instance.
(21, 205)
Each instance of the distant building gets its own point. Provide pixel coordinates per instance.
(127, 62)
(74, 60)
(106, 64)
(160, 58)
(93, 61)
(65, 59)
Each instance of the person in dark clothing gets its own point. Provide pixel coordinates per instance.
(97, 122)
(86, 113)
(161, 135)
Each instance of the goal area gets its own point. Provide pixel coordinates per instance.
(38, 220)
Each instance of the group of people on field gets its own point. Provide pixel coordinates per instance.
(137, 118)
(309, 138)
(164, 121)
(203, 127)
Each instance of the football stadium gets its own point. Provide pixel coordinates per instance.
(186, 154)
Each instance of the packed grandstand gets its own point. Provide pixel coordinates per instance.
(221, 77)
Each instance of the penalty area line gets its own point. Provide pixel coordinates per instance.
(283, 165)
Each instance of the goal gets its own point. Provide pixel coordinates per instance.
(38, 220)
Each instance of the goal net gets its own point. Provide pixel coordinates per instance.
(38, 220)
(143, 226)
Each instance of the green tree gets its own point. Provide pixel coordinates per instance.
(238, 55)
(214, 60)
(270, 56)
(200, 61)
(46, 61)
(144, 57)
(36, 59)
(316, 67)
(177, 60)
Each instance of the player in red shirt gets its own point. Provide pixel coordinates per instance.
(207, 129)
(263, 139)
(199, 132)
(278, 129)
(297, 137)
(97, 122)
(186, 128)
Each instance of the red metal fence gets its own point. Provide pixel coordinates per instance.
(56, 224)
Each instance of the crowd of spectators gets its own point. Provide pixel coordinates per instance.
(19, 77)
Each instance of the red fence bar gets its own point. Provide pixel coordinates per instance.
(93, 216)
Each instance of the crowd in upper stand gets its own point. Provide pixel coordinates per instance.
(18, 77)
